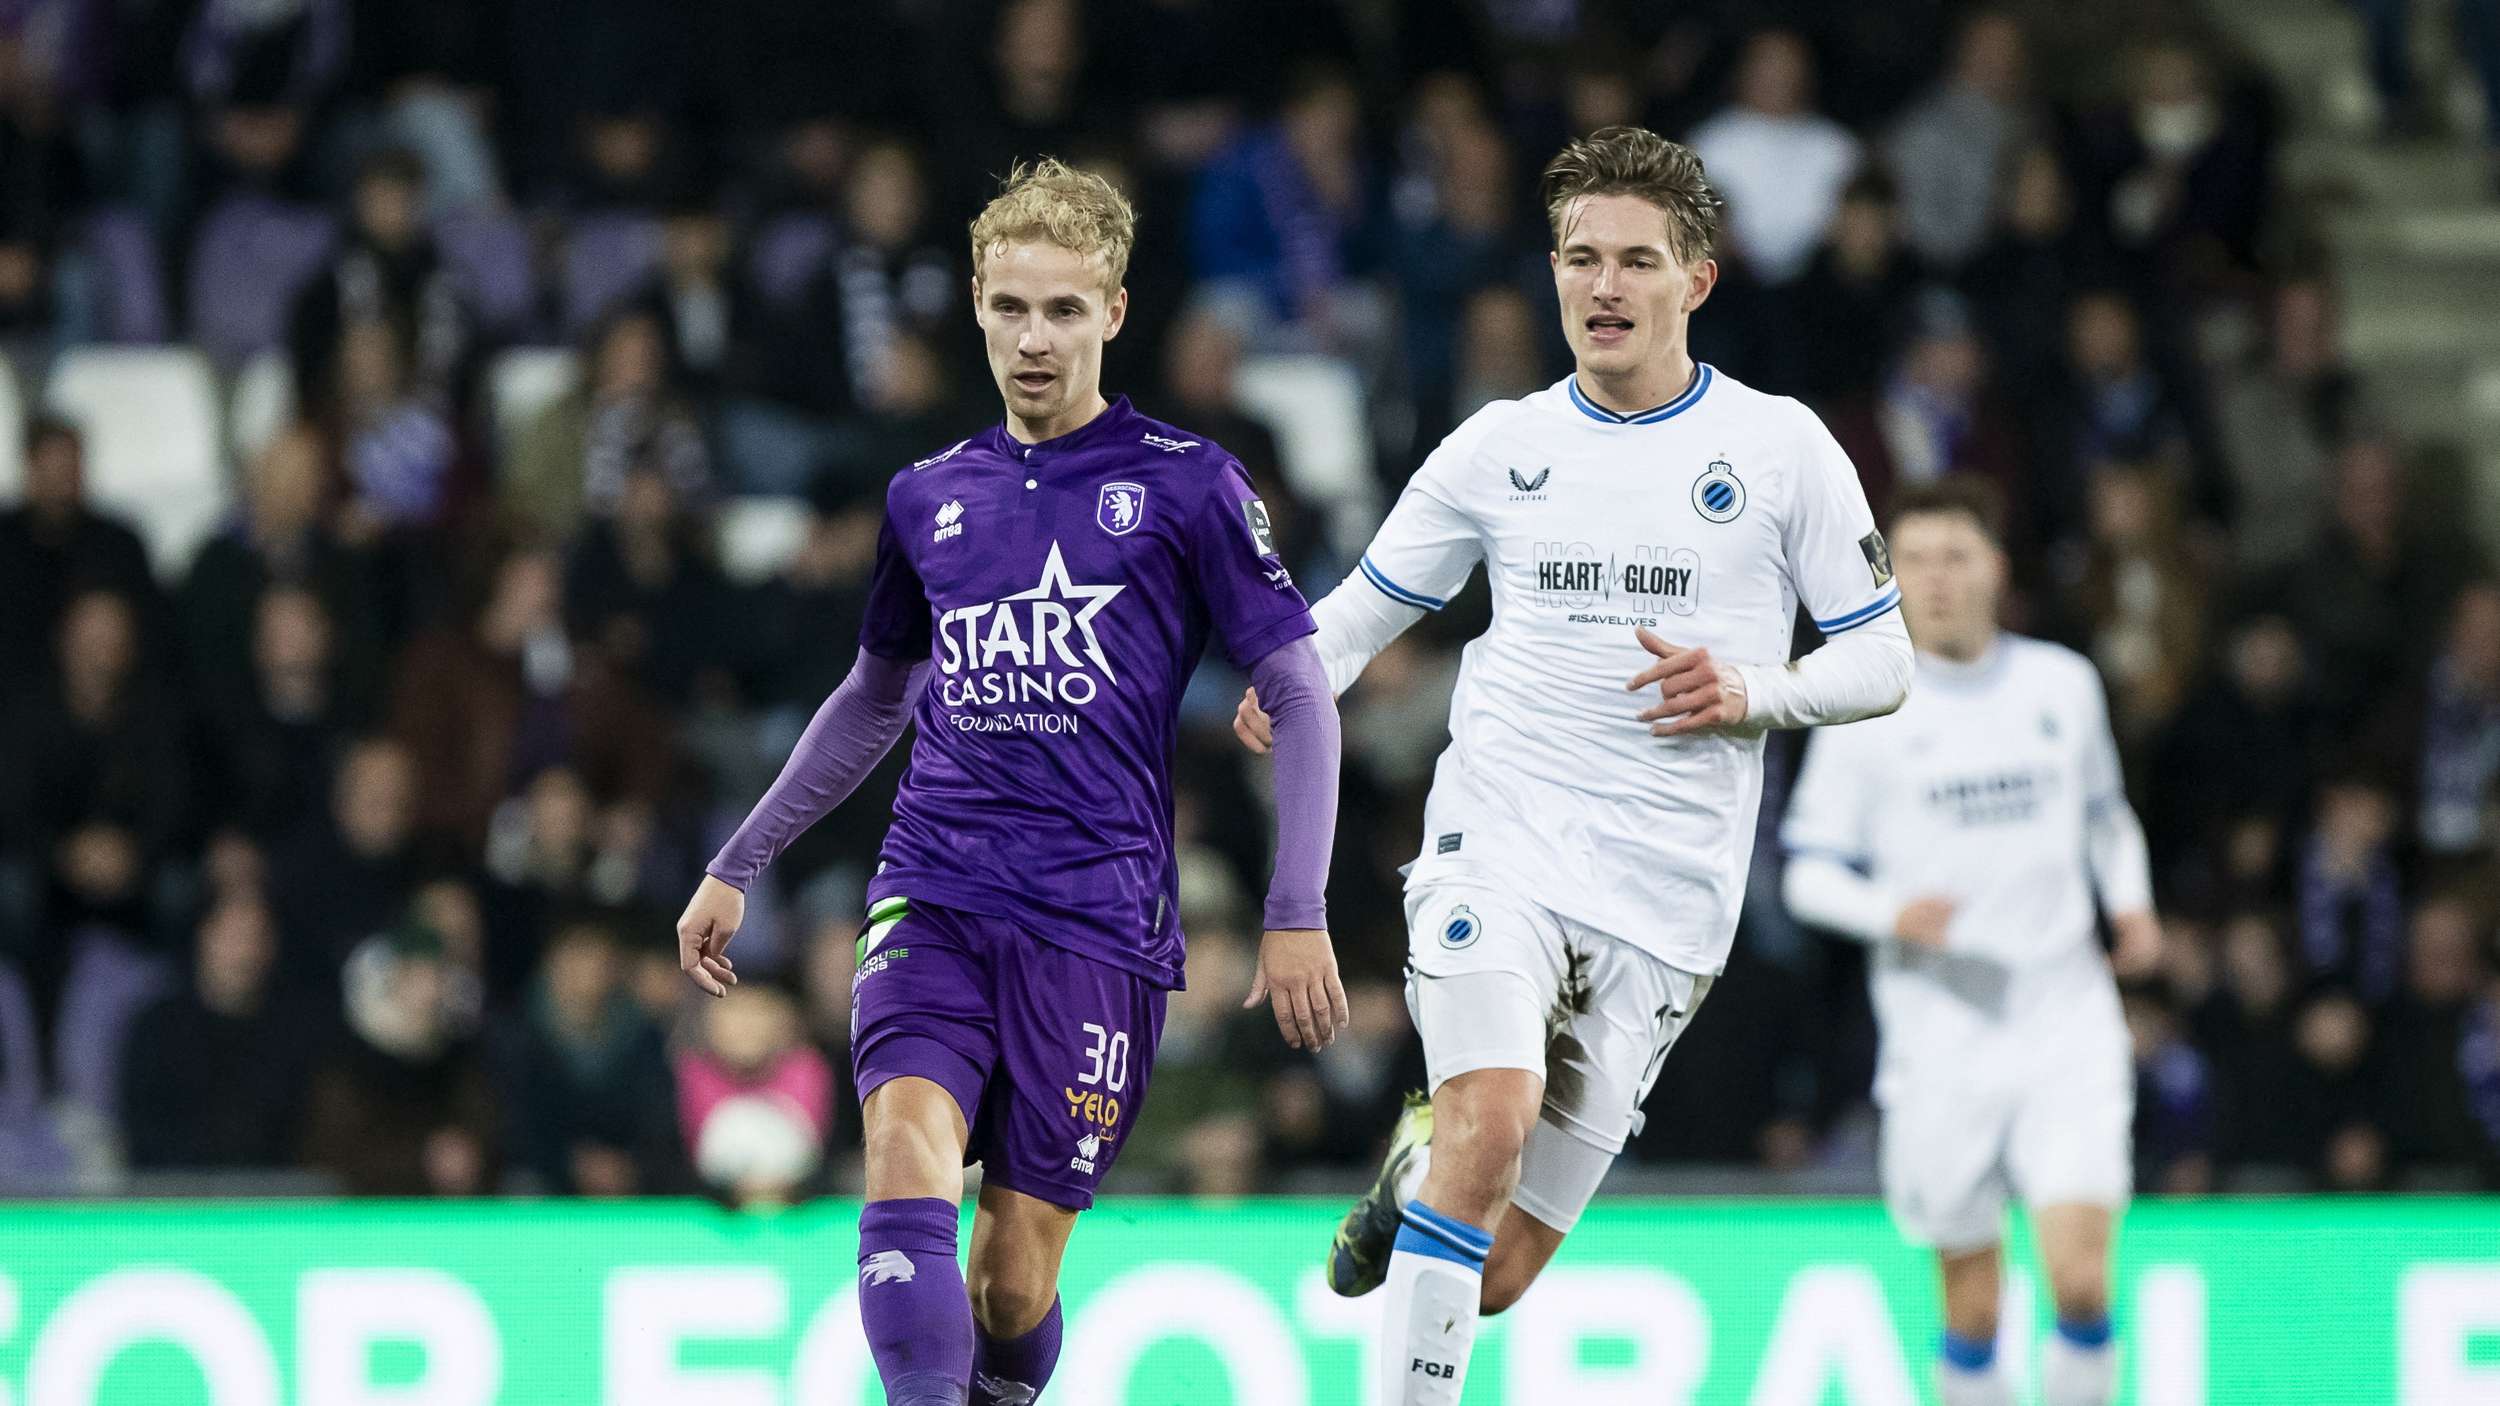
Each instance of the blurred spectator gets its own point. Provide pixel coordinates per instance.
(890, 276)
(641, 584)
(2143, 597)
(2332, 1111)
(276, 746)
(2247, 1023)
(2282, 412)
(2459, 815)
(216, 1076)
(2174, 1101)
(2178, 174)
(2235, 765)
(2429, 1106)
(400, 450)
(504, 694)
(573, 461)
(1953, 147)
(97, 783)
(430, 69)
(2359, 593)
(1497, 351)
(2478, 1066)
(54, 546)
(386, 272)
(347, 875)
(2115, 405)
(402, 1106)
(754, 1099)
(2403, 110)
(1937, 413)
(1282, 221)
(1468, 238)
(2022, 279)
(589, 1104)
(707, 312)
(1036, 101)
(282, 537)
(547, 853)
(1201, 368)
(1781, 164)
(1854, 298)
(1202, 1073)
(2351, 906)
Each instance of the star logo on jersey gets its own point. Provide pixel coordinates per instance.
(1719, 495)
(1120, 508)
(1531, 486)
(1036, 646)
(949, 522)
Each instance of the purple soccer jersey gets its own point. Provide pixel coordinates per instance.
(1063, 593)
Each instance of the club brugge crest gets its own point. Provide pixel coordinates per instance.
(1462, 929)
(1120, 508)
(1719, 494)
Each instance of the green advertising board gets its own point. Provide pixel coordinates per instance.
(1652, 1303)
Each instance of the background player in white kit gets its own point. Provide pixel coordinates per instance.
(1646, 522)
(1967, 837)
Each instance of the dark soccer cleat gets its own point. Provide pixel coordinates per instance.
(1358, 1260)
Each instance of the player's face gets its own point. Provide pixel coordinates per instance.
(1044, 314)
(1624, 294)
(1950, 575)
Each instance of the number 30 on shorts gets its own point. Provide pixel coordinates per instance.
(1106, 1053)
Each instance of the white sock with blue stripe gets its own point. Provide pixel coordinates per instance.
(1428, 1308)
(2079, 1367)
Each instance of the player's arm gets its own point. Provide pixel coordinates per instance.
(1422, 555)
(1830, 881)
(1838, 565)
(853, 730)
(1265, 627)
(2120, 862)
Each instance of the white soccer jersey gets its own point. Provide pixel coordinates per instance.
(1996, 786)
(1708, 519)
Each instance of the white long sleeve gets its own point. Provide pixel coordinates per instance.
(2114, 848)
(1862, 673)
(1826, 893)
(1356, 621)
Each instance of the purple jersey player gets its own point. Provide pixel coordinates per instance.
(1042, 592)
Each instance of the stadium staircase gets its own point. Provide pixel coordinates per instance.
(2412, 225)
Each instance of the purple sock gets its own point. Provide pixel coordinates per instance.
(1013, 1372)
(911, 1301)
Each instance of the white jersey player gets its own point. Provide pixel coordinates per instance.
(1968, 837)
(1647, 522)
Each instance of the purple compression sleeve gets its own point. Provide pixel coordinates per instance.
(849, 735)
(1293, 690)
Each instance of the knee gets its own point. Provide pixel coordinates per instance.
(1484, 1120)
(1008, 1304)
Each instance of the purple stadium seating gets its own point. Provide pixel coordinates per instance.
(490, 253)
(607, 259)
(129, 278)
(252, 257)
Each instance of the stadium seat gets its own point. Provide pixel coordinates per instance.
(150, 418)
(524, 381)
(1315, 405)
(759, 535)
(788, 252)
(111, 980)
(261, 405)
(128, 277)
(607, 259)
(252, 257)
(12, 435)
(489, 252)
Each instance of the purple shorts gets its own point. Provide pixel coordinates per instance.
(1047, 1052)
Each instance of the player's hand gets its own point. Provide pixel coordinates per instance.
(2138, 948)
(1298, 977)
(1693, 688)
(712, 917)
(1251, 725)
(1922, 921)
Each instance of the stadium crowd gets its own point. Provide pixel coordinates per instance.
(353, 843)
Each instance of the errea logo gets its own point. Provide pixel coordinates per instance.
(949, 521)
(1167, 444)
(1088, 1148)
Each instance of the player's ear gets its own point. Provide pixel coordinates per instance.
(1116, 314)
(976, 298)
(1705, 277)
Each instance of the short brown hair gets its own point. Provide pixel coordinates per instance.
(1051, 202)
(1637, 162)
(1954, 494)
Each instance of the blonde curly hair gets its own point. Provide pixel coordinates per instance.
(1051, 202)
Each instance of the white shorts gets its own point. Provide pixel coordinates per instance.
(2047, 1120)
(1495, 981)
